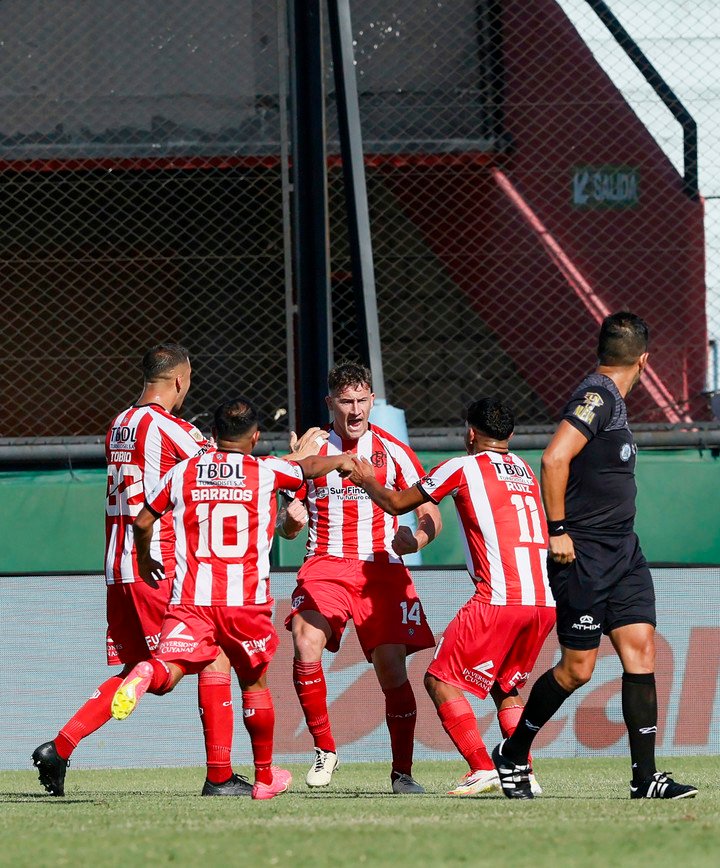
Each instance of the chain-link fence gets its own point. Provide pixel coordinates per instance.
(523, 178)
(141, 201)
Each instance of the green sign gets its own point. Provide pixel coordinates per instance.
(605, 187)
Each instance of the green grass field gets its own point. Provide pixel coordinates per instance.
(156, 817)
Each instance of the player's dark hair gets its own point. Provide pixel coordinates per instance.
(623, 339)
(347, 375)
(159, 362)
(236, 418)
(492, 417)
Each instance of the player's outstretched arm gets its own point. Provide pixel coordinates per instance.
(392, 502)
(151, 571)
(317, 465)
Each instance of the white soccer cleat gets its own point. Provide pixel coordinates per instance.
(476, 782)
(406, 785)
(321, 771)
(535, 787)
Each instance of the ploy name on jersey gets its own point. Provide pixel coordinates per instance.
(234, 494)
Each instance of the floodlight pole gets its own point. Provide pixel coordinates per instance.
(361, 255)
(310, 212)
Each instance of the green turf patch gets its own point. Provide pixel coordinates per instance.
(156, 817)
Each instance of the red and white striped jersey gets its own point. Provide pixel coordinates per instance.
(502, 523)
(141, 445)
(343, 521)
(224, 507)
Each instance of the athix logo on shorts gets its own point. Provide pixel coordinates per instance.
(586, 623)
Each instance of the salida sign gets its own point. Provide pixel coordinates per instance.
(605, 186)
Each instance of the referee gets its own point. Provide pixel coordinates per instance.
(597, 571)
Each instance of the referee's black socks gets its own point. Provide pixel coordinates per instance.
(639, 707)
(545, 699)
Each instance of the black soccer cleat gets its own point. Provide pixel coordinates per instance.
(514, 779)
(51, 768)
(662, 786)
(237, 785)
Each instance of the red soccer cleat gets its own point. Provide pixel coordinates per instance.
(281, 781)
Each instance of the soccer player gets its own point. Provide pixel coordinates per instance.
(353, 569)
(142, 443)
(223, 506)
(493, 642)
(597, 571)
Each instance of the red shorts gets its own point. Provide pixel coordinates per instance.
(380, 597)
(192, 637)
(135, 614)
(484, 644)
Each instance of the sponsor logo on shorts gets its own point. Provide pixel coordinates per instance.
(248, 712)
(256, 646)
(585, 623)
(519, 678)
(481, 675)
(177, 633)
(178, 642)
(152, 641)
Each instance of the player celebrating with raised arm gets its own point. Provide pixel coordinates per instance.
(597, 572)
(353, 569)
(493, 642)
(223, 506)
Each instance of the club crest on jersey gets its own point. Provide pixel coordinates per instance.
(586, 411)
(378, 458)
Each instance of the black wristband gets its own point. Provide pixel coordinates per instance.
(557, 528)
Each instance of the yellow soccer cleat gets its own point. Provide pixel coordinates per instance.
(131, 690)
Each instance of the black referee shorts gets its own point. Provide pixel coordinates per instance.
(607, 586)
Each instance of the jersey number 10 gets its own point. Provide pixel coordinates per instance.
(212, 526)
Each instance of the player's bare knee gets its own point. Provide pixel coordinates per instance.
(308, 641)
(573, 674)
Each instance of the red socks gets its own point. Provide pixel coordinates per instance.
(458, 720)
(310, 686)
(259, 720)
(87, 719)
(216, 714)
(401, 716)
